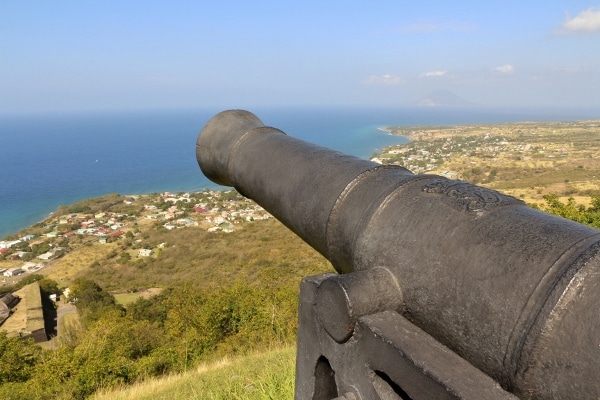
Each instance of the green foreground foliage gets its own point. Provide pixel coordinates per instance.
(166, 334)
(223, 295)
(576, 212)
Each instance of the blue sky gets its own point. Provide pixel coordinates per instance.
(94, 55)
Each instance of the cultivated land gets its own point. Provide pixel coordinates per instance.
(526, 160)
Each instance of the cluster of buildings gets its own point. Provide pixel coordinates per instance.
(26, 267)
(222, 216)
(211, 210)
(5, 245)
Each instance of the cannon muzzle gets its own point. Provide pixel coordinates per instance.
(512, 290)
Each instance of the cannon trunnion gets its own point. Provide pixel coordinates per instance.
(446, 289)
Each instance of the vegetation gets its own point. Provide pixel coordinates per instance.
(166, 334)
(576, 212)
(223, 295)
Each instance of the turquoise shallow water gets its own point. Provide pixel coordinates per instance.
(50, 160)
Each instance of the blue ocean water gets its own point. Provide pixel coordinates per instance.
(54, 159)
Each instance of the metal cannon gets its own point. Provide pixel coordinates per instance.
(446, 290)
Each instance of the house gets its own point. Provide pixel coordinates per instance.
(29, 266)
(8, 245)
(36, 243)
(116, 234)
(20, 254)
(51, 253)
(13, 272)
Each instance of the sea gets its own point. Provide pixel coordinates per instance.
(53, 159)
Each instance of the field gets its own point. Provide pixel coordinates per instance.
(66, 268)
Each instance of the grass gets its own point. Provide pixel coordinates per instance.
(268, 375)
(128, 298)
(66, 268)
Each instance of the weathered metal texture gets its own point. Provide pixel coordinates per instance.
(512, 290)
(384, 356)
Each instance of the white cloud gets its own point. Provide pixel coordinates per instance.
(506, 69)
(585, 21)
(433, 74)
(385, 80)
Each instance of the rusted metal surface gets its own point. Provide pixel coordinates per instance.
(512, 291)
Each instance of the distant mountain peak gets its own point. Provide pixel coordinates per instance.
(443, 98)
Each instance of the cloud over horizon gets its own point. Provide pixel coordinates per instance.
(505, 69)
(384, 80)
(433, 74)
(586, 21)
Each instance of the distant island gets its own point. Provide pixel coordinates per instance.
(443, 98)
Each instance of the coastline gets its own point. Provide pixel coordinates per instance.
(73, 157)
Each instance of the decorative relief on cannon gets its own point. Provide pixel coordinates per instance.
(466, 196)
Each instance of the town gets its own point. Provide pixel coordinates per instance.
(114, 216)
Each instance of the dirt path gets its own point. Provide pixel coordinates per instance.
(65, 314)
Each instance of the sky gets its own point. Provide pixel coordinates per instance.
(71, 55)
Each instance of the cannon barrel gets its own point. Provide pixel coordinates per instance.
(512, 290)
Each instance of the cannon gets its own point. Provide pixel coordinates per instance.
(446, 290)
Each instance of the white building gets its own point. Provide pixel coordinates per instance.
(13, 272)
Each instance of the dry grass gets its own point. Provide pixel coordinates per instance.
(66, 268)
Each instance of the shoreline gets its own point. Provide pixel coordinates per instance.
(25, 204)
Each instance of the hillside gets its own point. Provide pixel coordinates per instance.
(217, 292)
(265, 375)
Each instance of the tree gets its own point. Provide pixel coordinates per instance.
(92, 302)
(49, 286)
(17, 358)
